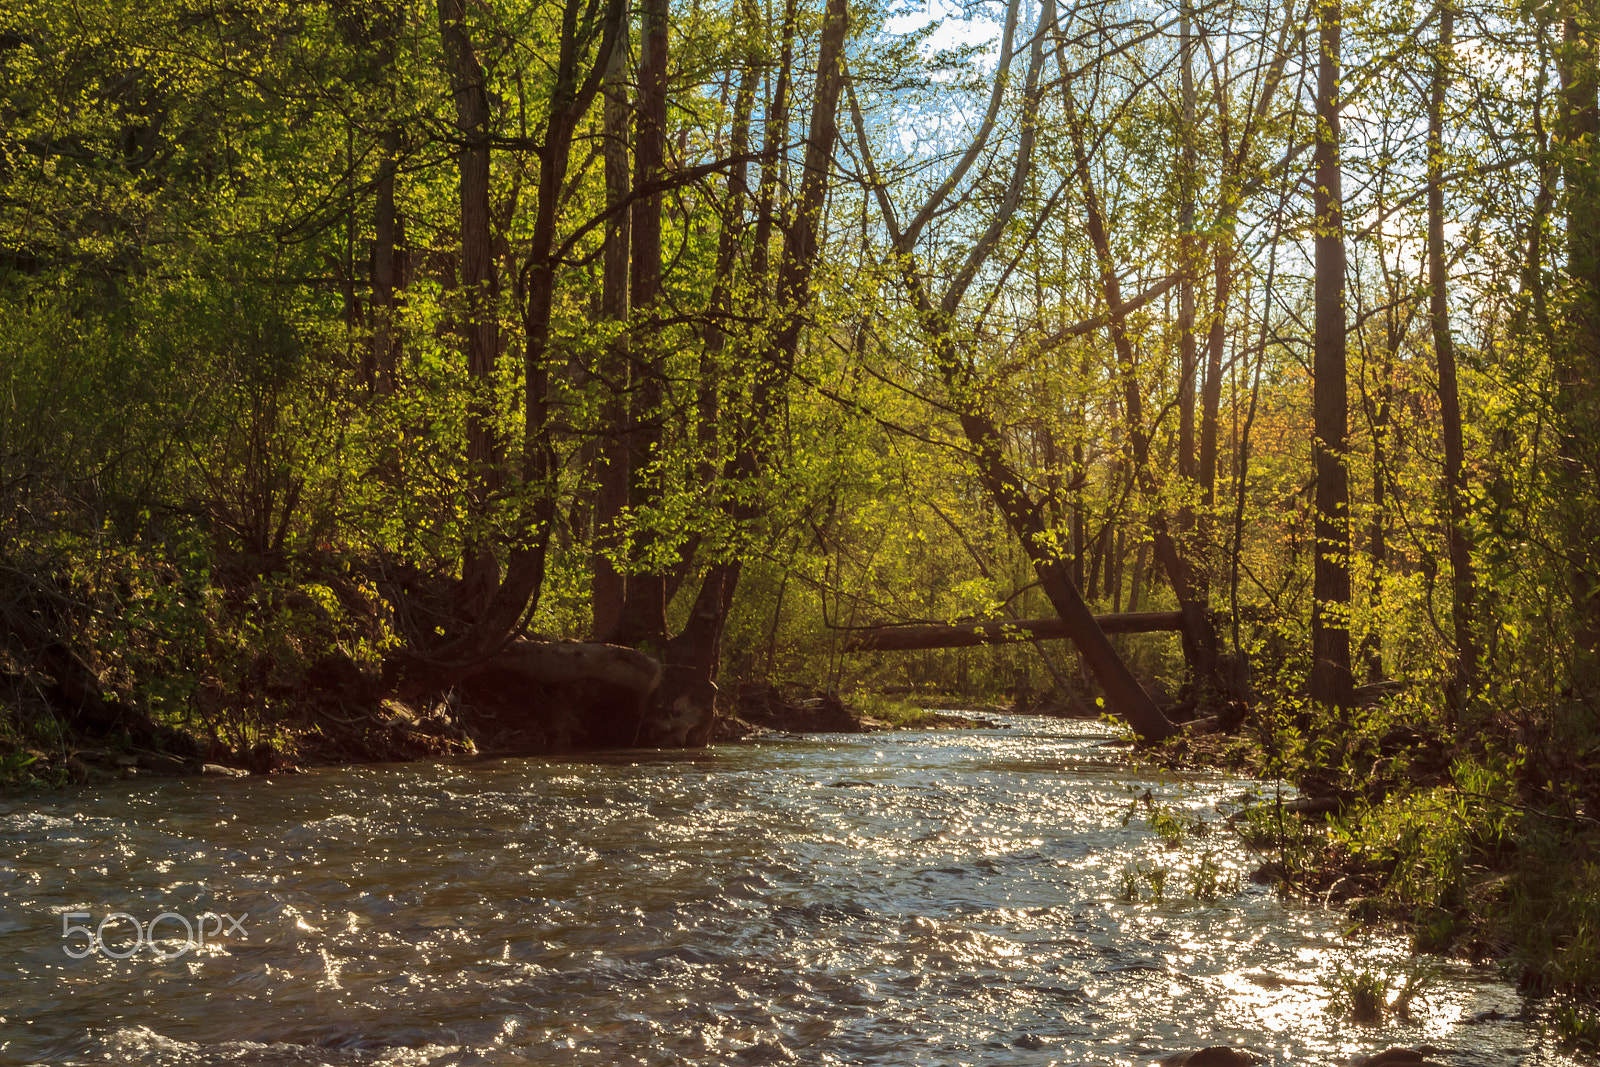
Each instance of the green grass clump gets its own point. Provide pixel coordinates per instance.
(899, 713)
(1577, 1026)
(1146, 881)
(1362, 994)
(1205, 878)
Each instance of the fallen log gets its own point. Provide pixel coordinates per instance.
(1001, 631)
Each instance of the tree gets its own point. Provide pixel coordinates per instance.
(1578, 348)
(1330, 614)
(1462, 579)
(964, 393)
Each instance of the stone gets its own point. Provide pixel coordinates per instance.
(1270, 873)
(1397, 1057)
(555, 696)
(265, 758)
(1212, 1056)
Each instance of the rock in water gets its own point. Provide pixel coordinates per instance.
(1397, 1057)
(1212, 1056)
(562, 695)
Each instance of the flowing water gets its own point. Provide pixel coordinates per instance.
(906, 898)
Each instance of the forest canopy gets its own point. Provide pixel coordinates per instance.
(395, 332)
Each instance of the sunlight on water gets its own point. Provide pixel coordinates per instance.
(913, 898)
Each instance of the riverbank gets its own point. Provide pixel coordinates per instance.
(339, 724)
(1479, 839)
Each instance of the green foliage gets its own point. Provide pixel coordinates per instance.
(1167, 825)
(1265, 827)
(1359, 994)
(1146, 881)
(1362, 993)
(1577, 1026)
(1206, 879)
(1156, 877)
(898, 712)
(1130, 885)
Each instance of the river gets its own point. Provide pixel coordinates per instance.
(951, 897)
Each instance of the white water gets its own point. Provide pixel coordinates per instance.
(909, 898)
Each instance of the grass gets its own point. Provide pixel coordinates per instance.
(1363, 995)
(1145, 881)
(1205, 878)
(897, 712)
(1479, 837)
(1577, 1026)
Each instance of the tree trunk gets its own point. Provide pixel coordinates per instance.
(1211, 396)
(1200, 639)
(1125, 696)
(1377, 531)
(1578, 345)
(1003, 631)
(1455, 476)
(688, 687)
(608, 586)
(1330, 617)
(1141, 568)
(1079, 548)
(572, 94)
(644, 609)
(480, 290)
(386, 229)
(1188, 254)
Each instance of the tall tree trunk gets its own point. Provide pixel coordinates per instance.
(1228, 201)
(1578, 345)
(1141, 567)
(585, 30)
(1377, 531)
(1211, 394)
(1124, 695)
(1080, 549)
(1188, 255)
(480, 291)
(386, 237)
(1199, 635)
(1455, 475)
(715, 336)
(608, 587)
(688, 685)
(644, 609)
(1330, 618)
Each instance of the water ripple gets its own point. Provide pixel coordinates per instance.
(905, 899)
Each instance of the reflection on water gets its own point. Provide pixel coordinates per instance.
(911, 898)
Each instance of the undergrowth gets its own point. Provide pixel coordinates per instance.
(107, 645)
(1481, 837)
